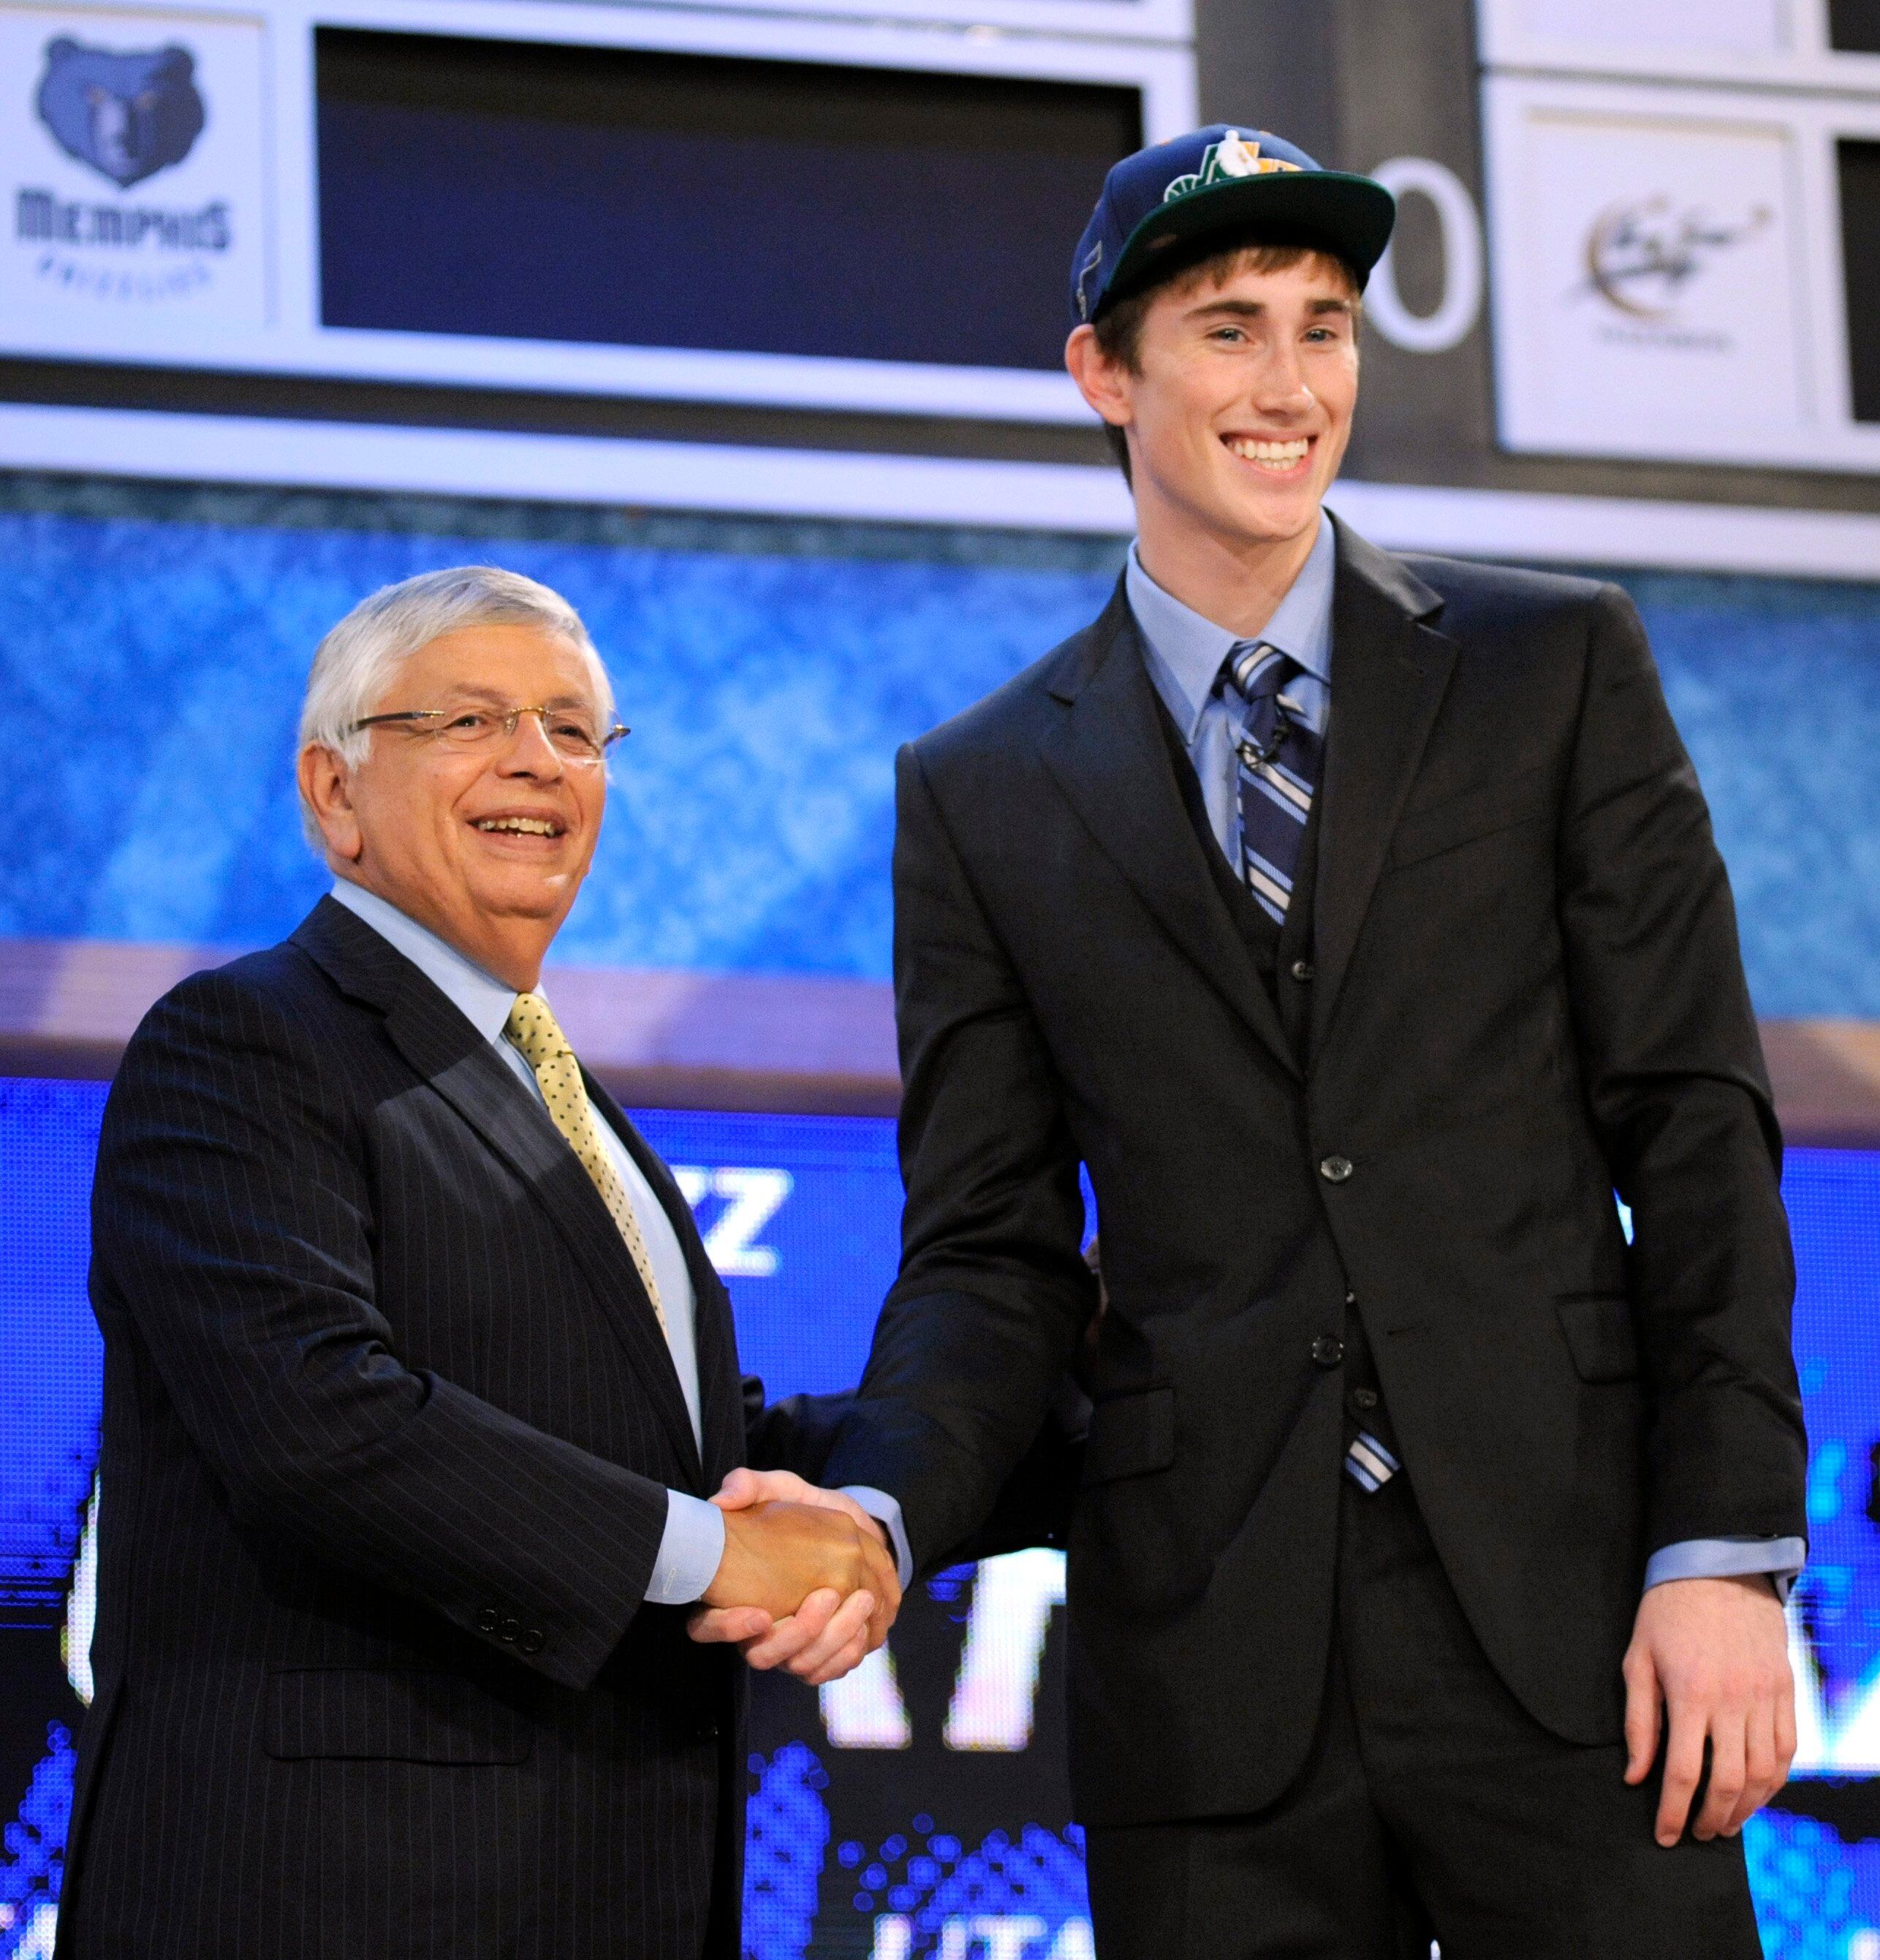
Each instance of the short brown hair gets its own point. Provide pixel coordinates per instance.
(1119, 330)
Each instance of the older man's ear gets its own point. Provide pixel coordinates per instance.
(328, 792)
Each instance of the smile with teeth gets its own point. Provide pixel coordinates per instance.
(526, 826)
(1274, 456)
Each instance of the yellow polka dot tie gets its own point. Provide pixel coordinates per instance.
(532, 1027)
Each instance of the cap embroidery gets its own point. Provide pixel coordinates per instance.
(1234, 156)
(1084, 271)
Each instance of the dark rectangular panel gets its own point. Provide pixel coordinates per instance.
(1860, 254)
(1853, 26)
(616, 196)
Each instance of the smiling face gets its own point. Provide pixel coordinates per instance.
(1237, 409)
(486, 847)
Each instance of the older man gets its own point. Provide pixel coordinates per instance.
(417, 1378)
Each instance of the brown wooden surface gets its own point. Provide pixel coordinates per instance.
(697, 1041)
(657, 1038)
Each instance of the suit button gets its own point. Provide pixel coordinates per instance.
(707, 1730)
(489, 1620)
(1364, 1398)
(510, 1629)
(1334, 1170)
(1328, 1350)
(531, 1642)
(1302, 971)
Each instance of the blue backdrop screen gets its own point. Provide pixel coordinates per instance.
(765, 666)
(919, 1807)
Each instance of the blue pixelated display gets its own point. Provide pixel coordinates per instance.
(33, 1856)
(864, 1839)
(786, 1830)
(1818, 1894)
(817, 1245)
(51, 1357)
(1833, 1200)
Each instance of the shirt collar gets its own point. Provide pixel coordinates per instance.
(1189, 650)
(483, 999)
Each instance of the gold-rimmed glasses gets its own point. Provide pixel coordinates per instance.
(576, 736)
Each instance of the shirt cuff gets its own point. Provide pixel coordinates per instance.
(886, 1512)
(1781, 1558)
(691, 1550)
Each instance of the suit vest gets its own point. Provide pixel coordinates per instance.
(1282, 953)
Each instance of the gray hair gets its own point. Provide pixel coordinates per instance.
(353, 663)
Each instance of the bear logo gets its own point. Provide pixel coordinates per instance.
(128, 115)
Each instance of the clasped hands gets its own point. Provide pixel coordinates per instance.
(807, 1583)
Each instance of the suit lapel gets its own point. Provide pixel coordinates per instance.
(465, 1070)
(1390, 671)
(721, 1401)
(1108, 757)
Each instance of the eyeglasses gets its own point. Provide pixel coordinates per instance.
(574, 737)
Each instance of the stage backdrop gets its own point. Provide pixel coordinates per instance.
(920, 1808)
(769, 670)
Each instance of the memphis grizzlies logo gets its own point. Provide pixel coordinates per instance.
(128, 115)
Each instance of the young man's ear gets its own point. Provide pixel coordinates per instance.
(1103, 383)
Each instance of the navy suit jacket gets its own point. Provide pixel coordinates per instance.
(388, 1423)
(1523, 991)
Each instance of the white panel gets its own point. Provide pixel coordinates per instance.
(1523, 526)
(1779, 44)
(131, 165)
(1114, 20)
(253, 306)
(1745, 26)
(1664, 274)
(1654, 285)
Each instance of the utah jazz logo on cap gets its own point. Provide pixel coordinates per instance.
(128, 115)
(1212, 188)
(1234, 156)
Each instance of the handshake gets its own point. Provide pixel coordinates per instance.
(807, 1582)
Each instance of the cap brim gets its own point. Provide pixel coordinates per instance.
(1350, 215)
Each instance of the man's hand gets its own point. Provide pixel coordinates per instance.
(1714, 1654)
(827, 1635)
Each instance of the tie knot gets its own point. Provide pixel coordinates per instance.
(1258, 671)
(532, 1027)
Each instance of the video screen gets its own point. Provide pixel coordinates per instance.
(1853, 28)
(1859, 167)
(618, 196)
(919, 1809)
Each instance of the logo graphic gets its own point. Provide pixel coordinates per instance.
(1084, 271)
(1640, 257)
(1234, 156)
(127, 116)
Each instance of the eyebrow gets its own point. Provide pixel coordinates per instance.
(468, 691)
(1256, 309)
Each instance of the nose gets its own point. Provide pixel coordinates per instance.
(529, 752)
(1281, 386)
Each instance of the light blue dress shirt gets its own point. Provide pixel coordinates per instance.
(1185, 652)
(693, 1542)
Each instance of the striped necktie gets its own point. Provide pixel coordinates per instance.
(1279, 762)
(532, 1027)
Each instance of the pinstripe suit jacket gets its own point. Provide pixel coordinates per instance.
(388, 1424)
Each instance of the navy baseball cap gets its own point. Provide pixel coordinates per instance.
(1214, 181)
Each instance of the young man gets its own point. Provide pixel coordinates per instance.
(1356, 922)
